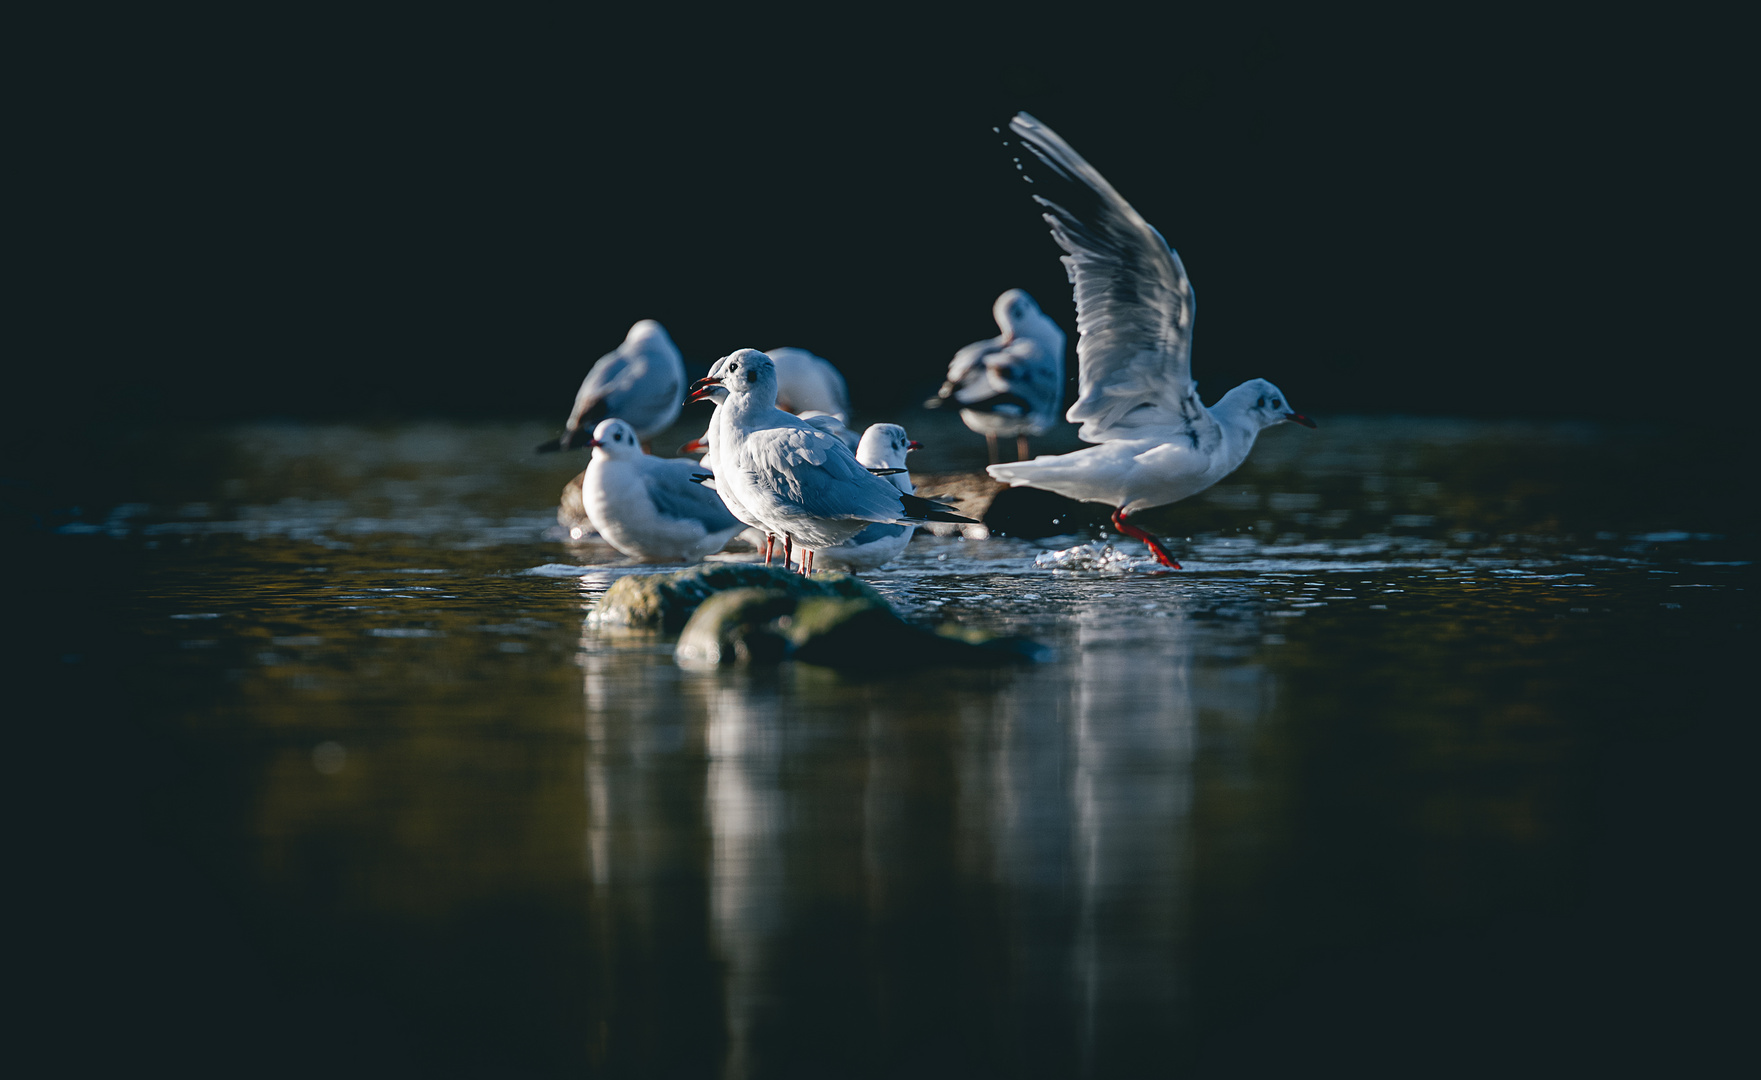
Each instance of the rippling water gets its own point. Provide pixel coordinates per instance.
(1361, 778)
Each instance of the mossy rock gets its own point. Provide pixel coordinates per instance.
(667, 601)
(737, 626)
(853, 634)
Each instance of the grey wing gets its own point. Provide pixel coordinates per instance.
(1134, 305)
(969, 360)
(676, 495)
(616, 371)
(820, 475)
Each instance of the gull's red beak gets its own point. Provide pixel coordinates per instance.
(695, 446)
(1298, 418)
(700, 389)
(914, 445)
(592, 443)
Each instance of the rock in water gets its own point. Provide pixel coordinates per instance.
(856, 634)
(666, 601)
(737, 626)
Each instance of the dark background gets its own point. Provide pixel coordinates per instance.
(342, 216)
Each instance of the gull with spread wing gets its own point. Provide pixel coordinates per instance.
(797, 481)
(1134, 306)
(1011, 384)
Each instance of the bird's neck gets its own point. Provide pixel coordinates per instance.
(1240, 428)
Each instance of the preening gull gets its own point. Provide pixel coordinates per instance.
(808, 383)
(797, 481)
(641, 382)
(1011, 384)
(883, 446)
(1134, 308)
(649, 507)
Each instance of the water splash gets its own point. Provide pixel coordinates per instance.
(1096, 555)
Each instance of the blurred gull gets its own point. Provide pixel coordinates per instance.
(649, 507)
(833, 426)
(808, 383)
(795, 480)
(641, 382)
(883, 446)
(1134, 308)
(1011, 384)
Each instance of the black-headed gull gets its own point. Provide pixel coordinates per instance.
(1012, 384)
(641, 382)
(797, 481)
(1134, 306)
(808, 383)
(883, 446)
(650, 508)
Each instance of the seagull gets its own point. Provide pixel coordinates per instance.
(808, 383)
(1011, 384)
(884, 446)
(649, 507)
(797, 481)
(1158, 443)
(641, 382)
(711, 390)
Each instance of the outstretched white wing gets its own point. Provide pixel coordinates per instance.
(1134, 306)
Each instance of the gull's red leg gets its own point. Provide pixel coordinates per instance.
(788, 548)
(1020, 448)
(769, 542)
(990, 441)
(1128, 529)
(807, 563)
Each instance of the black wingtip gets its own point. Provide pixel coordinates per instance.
(931, 511)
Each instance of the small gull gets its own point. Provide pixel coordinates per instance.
(797, 481)
(641, 382)
(1134, 306)
(1011, 384)
(648, 507)
(883, 446)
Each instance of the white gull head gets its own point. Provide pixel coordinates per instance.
(1260, 404)
(614, 440)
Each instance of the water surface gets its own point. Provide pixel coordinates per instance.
(1365, 778)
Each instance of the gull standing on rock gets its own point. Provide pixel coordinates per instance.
(649, 507)
(797, 481)
(1011, 384)
(884, 446)
(641, 382)
(1158, 443)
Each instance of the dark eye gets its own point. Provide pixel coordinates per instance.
(752, 376)
(1262, 402)
(1276, 404)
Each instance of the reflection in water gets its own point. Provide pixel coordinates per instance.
(744, 808)
(469, 833)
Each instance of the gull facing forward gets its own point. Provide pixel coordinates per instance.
(1158, 443)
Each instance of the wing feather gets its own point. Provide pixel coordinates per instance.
(1134, 304)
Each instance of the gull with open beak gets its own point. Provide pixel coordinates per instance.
(795, 480)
